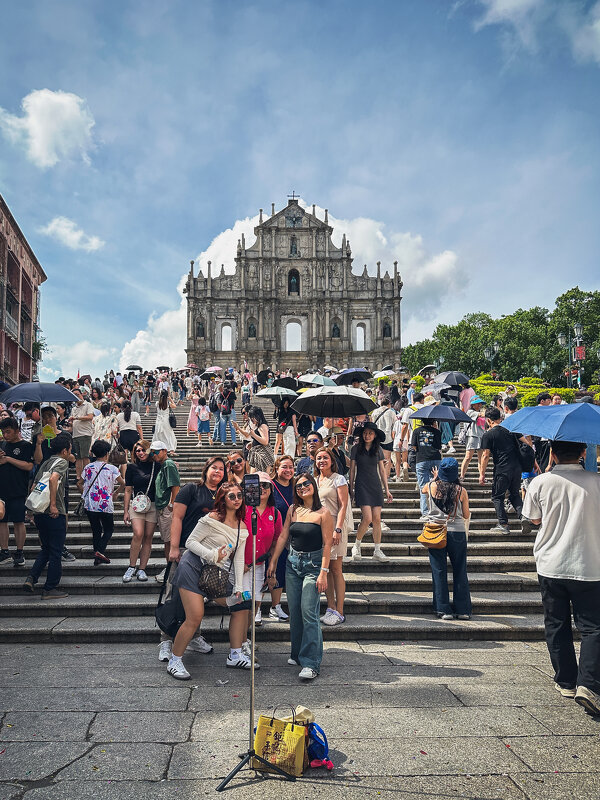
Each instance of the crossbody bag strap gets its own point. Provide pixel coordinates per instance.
(281, 495)
(151, 476)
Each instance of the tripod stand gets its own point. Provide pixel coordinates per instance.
(250, 754)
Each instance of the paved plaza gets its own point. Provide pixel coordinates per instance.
(414, 720)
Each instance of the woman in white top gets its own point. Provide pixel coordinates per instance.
(333, 493)
(218, 538)
(129, 424)
(163, 430)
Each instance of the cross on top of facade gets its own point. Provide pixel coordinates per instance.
(293, 196)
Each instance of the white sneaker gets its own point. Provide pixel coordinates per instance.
(379, 555)
(247, 648)
(243, 662)
(384, 527)
(200, 645)
(165, 651)
(277, 612)
(160, 578)
(423, 518)
(451, 450)
(129, 573)
(177, 669)
(258, 617)
(356, 551)
(307, 673)
(444, 447)
(141, 575)
(327, 617)
(292, 662)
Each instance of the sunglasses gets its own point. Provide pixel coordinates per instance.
(304, 485)
(313, 441)
(234, 496)
(139, 452)
(237, 461)
(265, 487)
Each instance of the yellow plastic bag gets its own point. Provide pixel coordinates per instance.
(280, 743)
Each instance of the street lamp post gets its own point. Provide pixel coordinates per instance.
(490, 352)
(565, 340)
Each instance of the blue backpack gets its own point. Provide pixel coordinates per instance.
(317, 742)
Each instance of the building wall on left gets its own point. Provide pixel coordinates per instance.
(20, 278)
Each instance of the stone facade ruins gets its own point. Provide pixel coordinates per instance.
(293, 280)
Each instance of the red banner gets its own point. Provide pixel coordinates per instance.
(580, 352)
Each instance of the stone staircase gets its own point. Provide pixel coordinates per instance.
(390, 600)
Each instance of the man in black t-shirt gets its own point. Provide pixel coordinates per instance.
(16, 463)
(427, 441)
(502, 446)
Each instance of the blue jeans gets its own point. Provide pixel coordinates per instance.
(52, 533)
(301, 573)
(456, 550)
(217, 428)
(424, 471)
(224, 423)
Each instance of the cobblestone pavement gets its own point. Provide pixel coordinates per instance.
(411, 720)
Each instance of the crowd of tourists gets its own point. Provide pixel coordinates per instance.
(311, 475)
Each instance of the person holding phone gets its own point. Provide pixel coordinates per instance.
(309, 528)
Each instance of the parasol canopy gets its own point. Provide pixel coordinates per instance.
(37, 392)
(334, 401)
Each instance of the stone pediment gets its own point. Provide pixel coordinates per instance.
(293, 216)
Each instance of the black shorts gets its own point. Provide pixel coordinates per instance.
(127, 439)
(14, 510)
(245, 605)
(387, 446)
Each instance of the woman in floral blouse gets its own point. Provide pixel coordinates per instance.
(99, 483)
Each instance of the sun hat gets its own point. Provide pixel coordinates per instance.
(370, 426)
(429, 400)
(264, 478)
(335, 431)
(476, 399)
(448, 470)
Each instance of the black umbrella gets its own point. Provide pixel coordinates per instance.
(286, 383)
(37, 392)
(451, 377)
(206, 376)
(263, 375)
(164, 369)
(348, 376)
(334, 401)
(441, 413)
(134, 368)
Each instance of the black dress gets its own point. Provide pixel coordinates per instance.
(367, 483)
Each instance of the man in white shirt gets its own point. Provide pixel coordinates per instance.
(566, 502)
(81, 418)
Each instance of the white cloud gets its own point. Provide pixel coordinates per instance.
(66, 232)
(585, 35)
(83, 357)
(428, 280)
(54, 126)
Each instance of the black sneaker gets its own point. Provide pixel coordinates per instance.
(68, 556)
(4, 555)
(29, 584)
(18, 559)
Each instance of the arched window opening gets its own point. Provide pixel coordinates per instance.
(293, 336)
(360, 337)
(387, 330)
(226, 336)
(293, 282)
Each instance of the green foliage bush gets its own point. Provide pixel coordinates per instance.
(420, 382)
(530, 398)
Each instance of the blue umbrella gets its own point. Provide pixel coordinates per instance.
(347, 376)
(37, 392)
(574, 422)
(441, 413)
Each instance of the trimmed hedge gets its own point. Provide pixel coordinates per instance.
(530, 398)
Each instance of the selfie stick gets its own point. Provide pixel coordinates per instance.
(250, 755)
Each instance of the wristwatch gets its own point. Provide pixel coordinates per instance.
(338, 530)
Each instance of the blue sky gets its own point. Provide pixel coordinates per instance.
(461, 137)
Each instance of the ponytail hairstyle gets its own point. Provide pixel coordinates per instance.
(163, 400)
(126, 407)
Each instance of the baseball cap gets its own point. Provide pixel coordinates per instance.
(158, 445)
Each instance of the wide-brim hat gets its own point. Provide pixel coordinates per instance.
(429, 400)
(370, 426)
(476, 399)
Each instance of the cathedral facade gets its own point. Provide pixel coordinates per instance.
(293, 302)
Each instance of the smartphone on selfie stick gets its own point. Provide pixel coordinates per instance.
(251, 492)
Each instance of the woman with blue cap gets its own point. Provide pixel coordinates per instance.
(449, 503)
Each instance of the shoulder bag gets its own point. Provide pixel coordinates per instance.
(172, 418)
(214, 581)
(141, 502)
(169, 615)
(117, 456)
(435, 534)
(79, 511)
(38, 499)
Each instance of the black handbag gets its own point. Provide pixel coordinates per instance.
(214, 581)
(172, 419)
(169, 616)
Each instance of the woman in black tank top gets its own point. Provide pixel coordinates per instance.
(309, 528)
